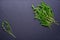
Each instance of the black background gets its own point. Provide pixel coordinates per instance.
(20, 15)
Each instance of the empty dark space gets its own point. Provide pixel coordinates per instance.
(21, 18)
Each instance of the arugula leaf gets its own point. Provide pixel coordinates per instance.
(6, 27)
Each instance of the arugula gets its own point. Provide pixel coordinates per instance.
(7, 28)
(44, 14)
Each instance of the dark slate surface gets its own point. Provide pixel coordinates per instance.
(20, 15)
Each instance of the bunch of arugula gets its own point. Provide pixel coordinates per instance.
(44, 14)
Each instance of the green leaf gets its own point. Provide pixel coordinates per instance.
(7, 28)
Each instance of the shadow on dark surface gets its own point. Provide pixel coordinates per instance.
(20, 15)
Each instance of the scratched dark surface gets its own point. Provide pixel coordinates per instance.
(20, 15)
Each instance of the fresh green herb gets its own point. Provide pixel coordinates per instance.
(44, 14)
(6, 27)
